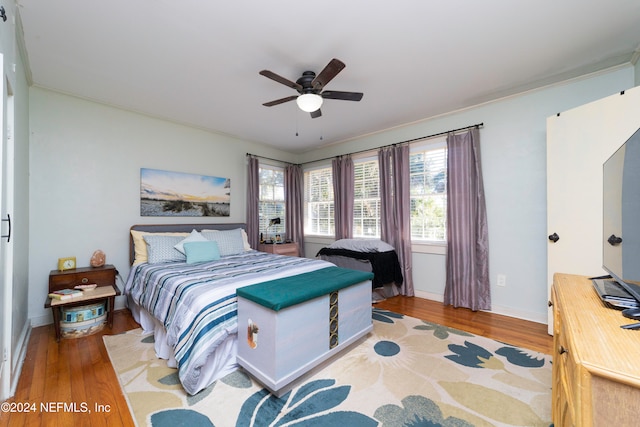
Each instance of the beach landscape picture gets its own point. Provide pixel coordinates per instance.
(166, 193)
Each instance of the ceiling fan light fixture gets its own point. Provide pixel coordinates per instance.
(309, 102)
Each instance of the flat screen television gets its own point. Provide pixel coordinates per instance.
(621, 215)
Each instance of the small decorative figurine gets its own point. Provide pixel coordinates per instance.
(98, 259)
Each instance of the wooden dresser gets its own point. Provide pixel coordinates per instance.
(596, 364)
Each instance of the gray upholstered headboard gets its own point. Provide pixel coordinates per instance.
(177, 228)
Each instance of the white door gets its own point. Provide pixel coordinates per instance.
(6, 271)
(578, 143)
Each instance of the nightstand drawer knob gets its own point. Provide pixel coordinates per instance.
(84, 280)
(562, 350)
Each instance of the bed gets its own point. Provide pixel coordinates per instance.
(189, 301)
(369, 255)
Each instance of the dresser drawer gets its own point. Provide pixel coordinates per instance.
(101, 276)
(568, 375)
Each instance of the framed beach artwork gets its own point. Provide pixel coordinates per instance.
(165, 193)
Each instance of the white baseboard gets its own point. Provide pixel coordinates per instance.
(504, 311)
(19, 355)
(46, 319)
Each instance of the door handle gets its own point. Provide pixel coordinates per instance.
(7, 236)
(614, 240)
(554, 237)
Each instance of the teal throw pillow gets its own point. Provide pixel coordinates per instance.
(201, 251)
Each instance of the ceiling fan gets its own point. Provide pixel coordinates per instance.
(310, 88)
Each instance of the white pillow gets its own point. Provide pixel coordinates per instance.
(193, 237)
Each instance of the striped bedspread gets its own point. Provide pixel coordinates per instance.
(197, 303)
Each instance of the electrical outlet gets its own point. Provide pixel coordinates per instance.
(502, 280)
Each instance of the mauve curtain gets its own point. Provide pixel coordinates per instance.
(294, 205)
(467, 283)
(395, 208)
(253, 198)
(343, 193)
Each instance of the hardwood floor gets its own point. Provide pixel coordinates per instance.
(77, 372)
(509, 330)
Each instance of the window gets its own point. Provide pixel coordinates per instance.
(318, 199)
(428, 180)
(271, 203)
(428, 177)
(366, 199)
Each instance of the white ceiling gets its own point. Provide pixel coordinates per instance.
(196, 62)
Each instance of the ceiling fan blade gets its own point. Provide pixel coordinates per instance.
(345, 96)
(280, 101)
(273, 76)
(316, 114)
(328, 73)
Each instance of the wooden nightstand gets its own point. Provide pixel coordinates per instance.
(104, 277)
(290, 249)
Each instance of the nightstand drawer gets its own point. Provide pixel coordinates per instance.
(290, 249)
(101, 276)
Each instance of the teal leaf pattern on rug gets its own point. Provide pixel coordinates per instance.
(474, 356)
(237, 379)
(469, 354)
(416, 411)
(171, 379)
(311, 400)
(178, 418)
(519, 357)
(439, 331)
(149, 339)
(263, 405)
(385, 315)
(203, 394)
(309, 388)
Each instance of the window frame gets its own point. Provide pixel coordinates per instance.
(368, 157)
(426, 245)
(263, 221)
(330, 203)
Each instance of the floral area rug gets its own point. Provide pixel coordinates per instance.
(407, 372)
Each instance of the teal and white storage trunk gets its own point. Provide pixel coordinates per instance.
(288, 326)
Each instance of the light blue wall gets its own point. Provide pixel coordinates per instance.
(85, 180)
(513, 145)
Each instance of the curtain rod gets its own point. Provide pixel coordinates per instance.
(408, 141)
(269, 158)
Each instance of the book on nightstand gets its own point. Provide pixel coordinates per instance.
(64, 294)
